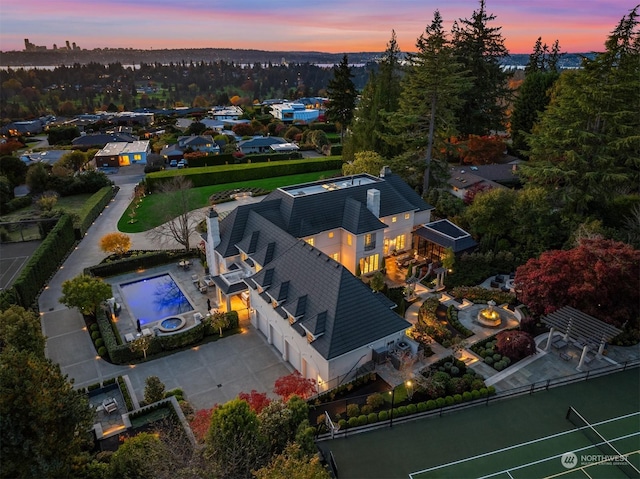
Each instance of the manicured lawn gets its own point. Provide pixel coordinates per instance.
(151, 213)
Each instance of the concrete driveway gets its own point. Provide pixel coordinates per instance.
(210, 374)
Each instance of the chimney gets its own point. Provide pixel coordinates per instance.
(385, 171)
(373, 201)
(213, 240)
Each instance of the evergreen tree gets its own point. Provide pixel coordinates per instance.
(342, 95)
(380, 97)
(541, 72)
(430, 89)
(480, 48)
(585, 150)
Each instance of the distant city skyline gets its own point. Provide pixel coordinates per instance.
(332, 26)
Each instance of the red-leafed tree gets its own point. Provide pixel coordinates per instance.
(472, 191)
(599, 277)
(200, 423)
(257, 401)
(515, 344)
(294, 385)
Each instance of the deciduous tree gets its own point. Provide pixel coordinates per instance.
(85, 293)
(516, 345)
(181, 218)
(599, 277)
(257, 401)
(117, 243)
(364, 162)
(294, 384)
(293, 463)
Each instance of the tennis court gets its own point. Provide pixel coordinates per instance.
(607, 449)
(514, 438)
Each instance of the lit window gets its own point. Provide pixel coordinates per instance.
(349, 240)
(369, 241)
(407, 216)
(394, 219)
(137, 157)
(330, 234)
(400, 242)
(311, 241)
(336, 257)
(369, 264)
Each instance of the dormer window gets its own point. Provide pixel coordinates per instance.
(291, 319)
(310, 338)
(311, 241)
(330, 234)
(274, 303)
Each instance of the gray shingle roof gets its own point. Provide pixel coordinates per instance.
(339, 308)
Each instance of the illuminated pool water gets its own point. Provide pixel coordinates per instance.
(152, 299)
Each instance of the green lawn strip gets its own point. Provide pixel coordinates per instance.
(151, 214)
(70, 204)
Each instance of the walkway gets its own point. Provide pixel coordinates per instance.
(537, 368)
(212, 373)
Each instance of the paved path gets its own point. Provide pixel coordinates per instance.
(212, 373)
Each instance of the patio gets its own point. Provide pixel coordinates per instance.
(109, 407)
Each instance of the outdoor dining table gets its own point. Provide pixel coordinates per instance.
(184, 264)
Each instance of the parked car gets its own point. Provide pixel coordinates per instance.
(173, 163)
(183, 163)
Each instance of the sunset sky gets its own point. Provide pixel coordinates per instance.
(329, 26)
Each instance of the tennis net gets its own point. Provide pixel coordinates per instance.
(610, 453)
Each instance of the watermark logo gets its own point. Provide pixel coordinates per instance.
(569, 460)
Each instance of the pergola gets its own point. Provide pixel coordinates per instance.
(582, 330)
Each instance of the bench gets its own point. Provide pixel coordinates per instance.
(565, 356)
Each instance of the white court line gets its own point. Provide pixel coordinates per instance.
(515, 446)
(19, 269)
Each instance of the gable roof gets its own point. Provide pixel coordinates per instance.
(258, 141)
(101, 139)
(343, 315)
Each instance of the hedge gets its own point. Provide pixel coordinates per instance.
(229, 159)
(41, 265)
(137, 261)
(92, 209)
(216, 175)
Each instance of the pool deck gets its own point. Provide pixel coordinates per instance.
(126, 322)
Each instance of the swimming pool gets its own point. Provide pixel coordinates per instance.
(154, 298)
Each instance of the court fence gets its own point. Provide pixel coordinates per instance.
(500, 395)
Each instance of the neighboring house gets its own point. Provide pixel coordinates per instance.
(172, 152)
(203, 143)
(294, 256)
(464, 178)
(260, 144)
(226, 113)
(284, 147)
(100, 140)
(118, 154)
(49, 157)
(212, 124)
(290, 112)
(26, 128)
(431, 240)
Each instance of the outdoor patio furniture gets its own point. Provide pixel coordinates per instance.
(184, 264)
(147, 332)
(565, 356)
(559, 344)
(128, 337)
(195, 279)
(198, 316)
(208, 280)
(110, 405)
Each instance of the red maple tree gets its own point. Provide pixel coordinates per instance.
(515, 344)
(257, 401)
(294, 385)
(200, 423)
(599, 277)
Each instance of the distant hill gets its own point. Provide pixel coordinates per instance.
(207, 55)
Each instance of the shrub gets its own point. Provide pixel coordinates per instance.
(372, 417)
(400, 411)
(95, 335)
(455, 370)
(353, 421)
(383, 415)
(412, 408)
(102, 351)
(475, 393)
(498, 365)
(484, 392)
(488, 360)
(448, 400)
(440, 402)
(457, 398)
(362, 420)
(353, 410)
(342, 423)
(497, 357)
(515, 344)
(177, 392)
(375, 400)
(99, 342)
(366, 410)
(492, 390)
(94, 327)
(467, 396)
(94, 386)
(422, 406)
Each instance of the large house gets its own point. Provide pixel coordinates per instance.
(294, 111)
(294, 258)
(122, 153)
